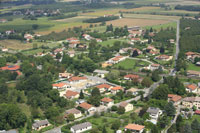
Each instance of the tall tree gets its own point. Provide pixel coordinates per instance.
(170, 109)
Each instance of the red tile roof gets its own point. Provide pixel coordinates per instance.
(11, 68)
(85, 105)
(132, 76)
(106, 100)
(134, 127)
(59, 85)
(197, 112)
(103, 86)
(69, 94)
(77, 78)
(117, 88)
(192, 87)
(190, 53)
(174, 97)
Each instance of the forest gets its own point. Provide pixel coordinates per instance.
(187, 8)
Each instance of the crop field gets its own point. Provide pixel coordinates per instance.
(15, 44)
(136, 22)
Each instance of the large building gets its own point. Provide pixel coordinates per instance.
(189, 102)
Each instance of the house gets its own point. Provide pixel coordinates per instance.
(40, 124)
(127, 106)
(193, 73)
(134, 128)
(3, 20)
(77, 79)
(101, 73)
(107, 101)
(150, 47)
(103, 87)
(87, 107)
(87, 37)
(164, 57)
(192, 88)
(4, 50)
(116, 89)
(81, 127)
(117, 59)
(28, 37)
(72, 39)
(154, 113)
(153, 52)
(189, 102)
(65, 75)
(58, 50)
(171, 40)
(10, 68)
(133, 91)
(192, 55)
(175, 99)
(61, 86)
(104, 65)
(125, 50)
(135, 39)
(71, 94)
(153, 67)
(71, 53)
(77, 113)
(138, 51)
(98, 40)
(131, 77)
(197, 112)
(198, 63)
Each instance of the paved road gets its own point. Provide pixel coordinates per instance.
(177, 41)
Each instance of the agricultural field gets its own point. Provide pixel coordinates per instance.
(193, 67)
(15, 44)
(110, 42)
(136, 22)
(131, 64)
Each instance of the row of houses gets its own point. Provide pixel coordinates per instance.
(113, 61)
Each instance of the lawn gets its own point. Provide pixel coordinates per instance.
(15, 44)
(110, 42)
(131, 64)
(193, 67)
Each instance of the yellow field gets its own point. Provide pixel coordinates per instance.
(15, 44)
(136, 22)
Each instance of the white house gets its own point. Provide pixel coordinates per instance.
(107, 102)
(81, 127)
(103, 87)
(61, 86)
(133, 91)
(134, 128)
(154, 113)
(87, 107)
(192, 88)
(127, 106)
(40, 124)
(100, 73)
(77, 79)
(77, 113)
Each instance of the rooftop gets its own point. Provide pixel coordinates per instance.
(85, 105)
(81, 126)
(134, 127)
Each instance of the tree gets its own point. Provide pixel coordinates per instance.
(135, 53)
(195, 124)
(114, 108)
(70, 117)
(11, 117)
(172, 129)
(95, 92)
(178, 122)
(187, 128)
(161, 93)
(155, 76)
(120, 110)
(170, 109)
(116, 124)
(104, 130)
(162, 49)
(114, 74)
(2, 61)
(35, 26)
(147, 82)
(81, 95)
(154, 129)
(52, 112)
(58, 56)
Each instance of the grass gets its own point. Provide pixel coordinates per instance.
(130, 64)
(162, 26)
(110, 42)
(193, 118)
(15, 44)
(193, 67)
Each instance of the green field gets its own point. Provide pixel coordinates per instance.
(131, 64)
(193, 67)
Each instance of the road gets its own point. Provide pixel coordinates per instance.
(177, 41)
(173, 72)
